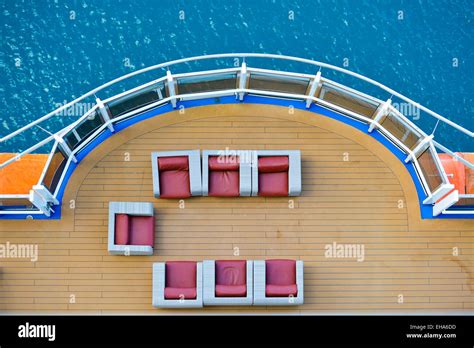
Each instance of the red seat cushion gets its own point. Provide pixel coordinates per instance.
(273, 184)
(280, 272)
(180, 293)
(180, 274)
(174, 184)
(173, 163)
(232, 272)
(281, 290)
(224, 163)
(231, 290)
(273, 164)
(122, 226)
(142, 230)
(224, 183)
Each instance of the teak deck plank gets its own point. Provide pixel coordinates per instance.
(352, 202)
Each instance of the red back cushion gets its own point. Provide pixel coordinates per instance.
(231, 272)
(173, 163)
(224, 163)
(142, 230)
(280, 272)
(180, 274)
(273, 164)
(122, 223)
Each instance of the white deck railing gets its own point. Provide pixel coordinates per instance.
(242, 75)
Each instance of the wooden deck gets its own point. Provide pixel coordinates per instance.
(369, 199)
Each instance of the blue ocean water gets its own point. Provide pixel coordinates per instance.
(54, 51)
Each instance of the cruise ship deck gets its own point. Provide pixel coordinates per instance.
(408, 266)
(370, 178)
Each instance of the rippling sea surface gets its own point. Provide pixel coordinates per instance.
(54, 51)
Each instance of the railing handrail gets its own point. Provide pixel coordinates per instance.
(243, 56)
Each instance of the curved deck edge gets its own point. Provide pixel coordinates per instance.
(425, 209)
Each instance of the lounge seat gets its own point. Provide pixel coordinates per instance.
(131, 228)
(226, 175)
(177, 284)
(276, 173)
(228, 282)
(176, 174)
(278, 282)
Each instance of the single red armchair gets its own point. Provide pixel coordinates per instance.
(176, 174)
(276, 173)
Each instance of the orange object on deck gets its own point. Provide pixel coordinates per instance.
(20, 176)
(469, 173)
(455, 171)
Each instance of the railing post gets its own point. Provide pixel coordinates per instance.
(315, 88)
(382, 111)
(104, 114)
(42, 199)
(242, 80)
(445, 203)
(65, 147)
(439, 193)
(422, 145)
(171, 89)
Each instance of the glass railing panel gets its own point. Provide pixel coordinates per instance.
(206, 83)
(465, 200)
(137, 100)
(429, 169)
(284, 84)
(400, 130)
(54, 171)
(348, 100)
(15, 204)
(79, 133)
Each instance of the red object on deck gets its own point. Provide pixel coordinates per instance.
(174, 177)
(134, 230)
(455, 171)
(280, 278)
(20, 176)
(231, 278)
(224, 176)
(273, 176)
(180, 280)
(469, 173)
